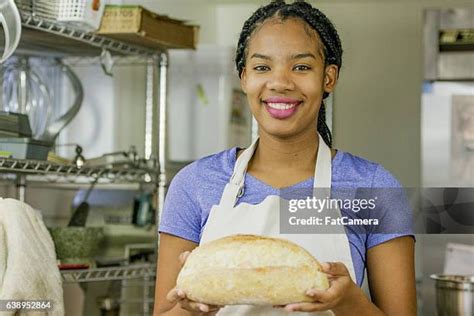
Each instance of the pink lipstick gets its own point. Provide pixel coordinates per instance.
(281, 107)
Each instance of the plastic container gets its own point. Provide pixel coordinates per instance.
(84, 14)
(25, 148)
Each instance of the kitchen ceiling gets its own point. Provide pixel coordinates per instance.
(208, 2)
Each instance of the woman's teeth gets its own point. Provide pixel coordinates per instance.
(281, 106)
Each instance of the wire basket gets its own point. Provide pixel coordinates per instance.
(83, 14)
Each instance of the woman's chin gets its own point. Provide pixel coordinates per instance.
(279, 132)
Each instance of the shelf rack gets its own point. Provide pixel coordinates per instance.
(61, 40)
(143, 273)
(71, 173)
(45, 38)
(135, 271)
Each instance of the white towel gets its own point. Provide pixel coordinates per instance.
(28, 268)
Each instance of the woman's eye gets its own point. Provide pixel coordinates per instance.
(261, 68)
(301, 68)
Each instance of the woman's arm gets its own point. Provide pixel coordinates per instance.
(168, 268)
(391, 276)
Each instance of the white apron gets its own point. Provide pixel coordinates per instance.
(263, 219)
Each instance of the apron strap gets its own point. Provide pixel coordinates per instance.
(322, 172)
(241, 164)
(234, 189)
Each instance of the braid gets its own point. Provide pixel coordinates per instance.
(250, 25)
(331, 43)
(323, 128)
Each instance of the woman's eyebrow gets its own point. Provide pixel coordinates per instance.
(303, 55)
(256, 55)
(297, 56)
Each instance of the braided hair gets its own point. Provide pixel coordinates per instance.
(332, 48)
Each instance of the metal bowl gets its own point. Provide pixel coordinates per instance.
(454, 294)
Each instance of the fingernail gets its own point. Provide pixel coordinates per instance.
(203, 308)
(289, 308)
(181, 293)
(326, 266)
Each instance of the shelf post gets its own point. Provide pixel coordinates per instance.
(21, 187)
(146, 294)
(149, 108)
(162, 134)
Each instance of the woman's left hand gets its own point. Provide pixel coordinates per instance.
(342, 292)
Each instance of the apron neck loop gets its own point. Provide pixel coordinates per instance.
(322, 172)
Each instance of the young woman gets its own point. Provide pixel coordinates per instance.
(288, 58)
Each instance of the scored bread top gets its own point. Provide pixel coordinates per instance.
(250, 269)
(249, 251)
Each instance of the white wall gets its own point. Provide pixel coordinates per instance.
(377, 101)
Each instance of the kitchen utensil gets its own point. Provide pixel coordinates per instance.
(56, 126)
(25, 148)
(115, 159)
(26, 92)
(79, 159)
(11, 24)
(79, 216)
(454, 294)
(143, 212)
(72, 266)
(14, 125)
(110, 160)
(108, 306)
(77, 245)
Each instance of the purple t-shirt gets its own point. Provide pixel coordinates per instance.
(199, 186)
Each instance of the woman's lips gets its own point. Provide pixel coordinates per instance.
(281, 110)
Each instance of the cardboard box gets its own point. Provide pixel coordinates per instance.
(137, 25)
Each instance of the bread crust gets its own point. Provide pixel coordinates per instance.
(250, 269)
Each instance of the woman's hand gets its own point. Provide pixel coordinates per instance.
(176, 296)
(340, 297)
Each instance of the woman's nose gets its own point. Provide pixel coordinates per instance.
(280, 80)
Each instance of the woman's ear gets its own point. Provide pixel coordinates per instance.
(330, 78)
(243, 81)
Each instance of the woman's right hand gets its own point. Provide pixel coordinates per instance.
(176, 296)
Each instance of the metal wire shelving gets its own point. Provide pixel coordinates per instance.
(45, 38)
(54, 172)
(134, 271)
(64, 40)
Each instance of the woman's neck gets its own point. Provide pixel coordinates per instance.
(279, 155)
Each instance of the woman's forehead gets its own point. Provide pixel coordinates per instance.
(290, 34)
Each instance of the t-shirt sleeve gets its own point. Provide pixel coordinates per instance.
(181, 215)
(393, 209)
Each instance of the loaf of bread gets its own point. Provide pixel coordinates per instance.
(250, 269)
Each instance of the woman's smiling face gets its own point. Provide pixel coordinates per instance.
(285, 77)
